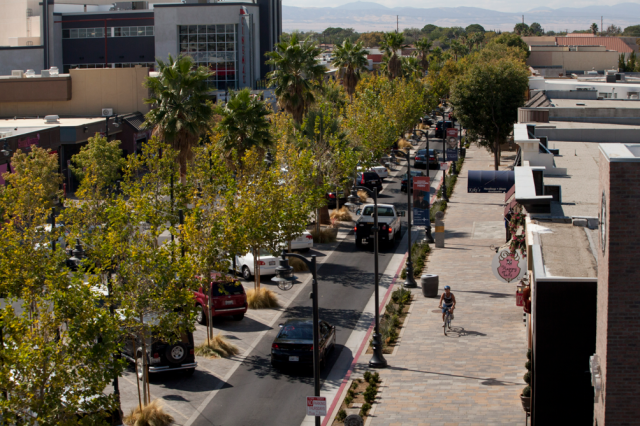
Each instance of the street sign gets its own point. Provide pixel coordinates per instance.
(316, 406)
(452, 133)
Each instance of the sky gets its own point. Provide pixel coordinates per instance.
(500, 5)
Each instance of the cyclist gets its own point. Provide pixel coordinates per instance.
(447, 301)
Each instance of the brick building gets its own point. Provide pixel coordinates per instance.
(618, 319)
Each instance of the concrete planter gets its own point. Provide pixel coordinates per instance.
(429, 283)
(526, 403)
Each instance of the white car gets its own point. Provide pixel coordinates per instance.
(268, 264)
(303, 242)
(380, 170)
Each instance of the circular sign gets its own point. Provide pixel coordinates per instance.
(603, 223)
(509, 267)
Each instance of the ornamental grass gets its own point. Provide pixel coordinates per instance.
(263, 298)
(151, 415)
(218, 347)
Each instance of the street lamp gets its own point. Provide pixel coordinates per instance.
(410, 282)
(444, 153)
(284, 272)
(116, 123)
(377, 360)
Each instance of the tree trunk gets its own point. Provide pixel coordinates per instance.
(496, 153)
(324, 215)
(133, 345)
(256, 270)
(208, 315)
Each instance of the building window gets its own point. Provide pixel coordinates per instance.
(68, 67)
(214, 47)
(146, 31)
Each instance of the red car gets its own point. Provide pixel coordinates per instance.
(227, 299)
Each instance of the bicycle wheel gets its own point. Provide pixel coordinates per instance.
(449, 322)
(446, 320)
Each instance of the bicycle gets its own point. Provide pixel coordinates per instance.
(447, 321)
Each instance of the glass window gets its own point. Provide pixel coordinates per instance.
(142, 31)
(99, 32)
(230, 47)
(202, 29)
(211, 47)
(202, 38)
(65, 33)
(184, 39)
(74, 33)
(193, 38)
(193, 47)
(231, 37)
(220, 47)
(211, 29)
(220, 38)
(230, 28)
(211, 38)
(82, 33)
(219, 28)
(184, 47)
(202, 47)
(184, 29)
(193, 29)
(117, 31)
(125, 31)
(149, 31)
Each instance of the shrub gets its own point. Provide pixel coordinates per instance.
(404, 144)
(527, 378)
(373, 382)
(438, 206)
(348, 399)
(218, 347)
(394, 321)
(298, 265)
(367, 376)
(419, 252)
(351, 392)
(526, 392)
(324, 236)
(393, 335)
(151, 415)
(262, 299)
(376, 377)
(391, 309)
(342, 215)
(363, 195)
(401, 296)
(365, 409)
(450, 181)
(354, 384)
(529, 354)
(527, 365)
(341, 415)
(370, 394)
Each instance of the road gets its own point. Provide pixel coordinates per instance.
(257, 394)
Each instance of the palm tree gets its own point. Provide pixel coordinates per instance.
(436, 56)
(295, 74)
(594, 28)
(390, 45)
(181, 110)
(458, 49)
(411, 67)
(423, 47)
(350, 59)
(244, 123)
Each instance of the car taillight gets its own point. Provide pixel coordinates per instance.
(156, 355)
(309, 237)
(390, 230)
(274, 346)
(332, 195)
(190, 351)
(362, 180)
(261, 263)
(417, 158)
(311, 347)
(355, 228)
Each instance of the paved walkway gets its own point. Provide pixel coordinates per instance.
(474, 375)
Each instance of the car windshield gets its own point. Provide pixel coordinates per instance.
(382, 211)
(298, 331)
(224, 289)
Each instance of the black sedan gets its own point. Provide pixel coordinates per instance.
(294, 343)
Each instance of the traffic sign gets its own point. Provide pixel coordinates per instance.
(316, 406)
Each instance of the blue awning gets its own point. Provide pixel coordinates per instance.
(490, 181)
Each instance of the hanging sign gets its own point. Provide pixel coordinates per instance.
(509, 267)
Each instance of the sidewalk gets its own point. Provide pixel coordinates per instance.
(473, 376)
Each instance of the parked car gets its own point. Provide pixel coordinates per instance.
(381, 171)
(388, 224)
(162, 356)
(267, 261)
(439, 131)
(294, 343)
(303, 242)
(369, 180)
(332, 198)
(227, 299)
(420, 161)
(403, 182)
(426, 120)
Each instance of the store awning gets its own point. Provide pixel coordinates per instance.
(490, 181)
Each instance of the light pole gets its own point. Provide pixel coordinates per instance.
(410, 282)
(377, 360)
(444, 153)
(284, 272)
(427, 228)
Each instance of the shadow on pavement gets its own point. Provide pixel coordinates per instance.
(200, 381)
(487, 381)
(491, 294)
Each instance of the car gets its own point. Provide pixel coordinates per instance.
(267, 261)
(333, 197)
(439, 131)
(161, 356)
(420, 161)
(388, 224)
(403, 182)
(381, 171)
(303, 242)
(426, 120)
(228, 298)
(293, 345)
(369, 180)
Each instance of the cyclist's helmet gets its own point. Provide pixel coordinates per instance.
(446, 287)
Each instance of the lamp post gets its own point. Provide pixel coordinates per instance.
(427, 229)
(284, 272)
(377, 360)
(410, 282)
(444, 153)
(116, 123)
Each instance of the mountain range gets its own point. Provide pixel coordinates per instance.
(369, 16)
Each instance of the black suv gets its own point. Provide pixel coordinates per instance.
(162, 356)
(333, 196)
(439, 131)
(369, 180)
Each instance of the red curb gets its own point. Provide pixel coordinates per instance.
(362, 345)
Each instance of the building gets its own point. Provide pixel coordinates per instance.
(569, 59)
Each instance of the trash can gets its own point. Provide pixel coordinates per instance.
(429, 283)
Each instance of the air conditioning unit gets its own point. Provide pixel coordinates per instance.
(16, 73)
(51, 118)
(106, 112)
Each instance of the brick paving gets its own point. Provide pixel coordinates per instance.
(474, 375)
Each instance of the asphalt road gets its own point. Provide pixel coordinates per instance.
(258, 394)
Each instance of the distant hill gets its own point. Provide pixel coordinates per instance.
(370, 16)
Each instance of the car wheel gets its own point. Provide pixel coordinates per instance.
(246, 273)
(188, 372)
(176, 354)
(201, 317)
(238, 317)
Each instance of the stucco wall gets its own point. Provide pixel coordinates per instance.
(575, 60)
(91, 90)
(20, 58)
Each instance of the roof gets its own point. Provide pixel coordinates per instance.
(39, 122)
(592, 103)
(538, 101)
(135, 120)
(566, 249)
(581, 35)
(611, 43)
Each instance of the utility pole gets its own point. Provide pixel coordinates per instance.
(397, 25)
(523, 19)
(601, 21)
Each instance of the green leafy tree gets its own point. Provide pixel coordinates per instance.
(411, 67)
(613, 31)
(632, 31)
(244, 123)
(102, 159)
(350, 59)
(458, 49)
(423, 47)
(487, 97)
(594, 28)
(296, 73)
(181, 110)
(511, 40)
(536, 29)
(622, 66)
(372, 39)
(474, 28)
(632, 63)
(521, 29)
(392, 43)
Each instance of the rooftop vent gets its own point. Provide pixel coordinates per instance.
(580, 104)
(51, 118)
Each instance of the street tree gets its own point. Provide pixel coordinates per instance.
(536, 29)
(511, 40)
(297, 72)
(350, 59)
(181, 110)
(244, 123)
(521, 29)
(392, 46)
(487, 97)
(101, 159)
